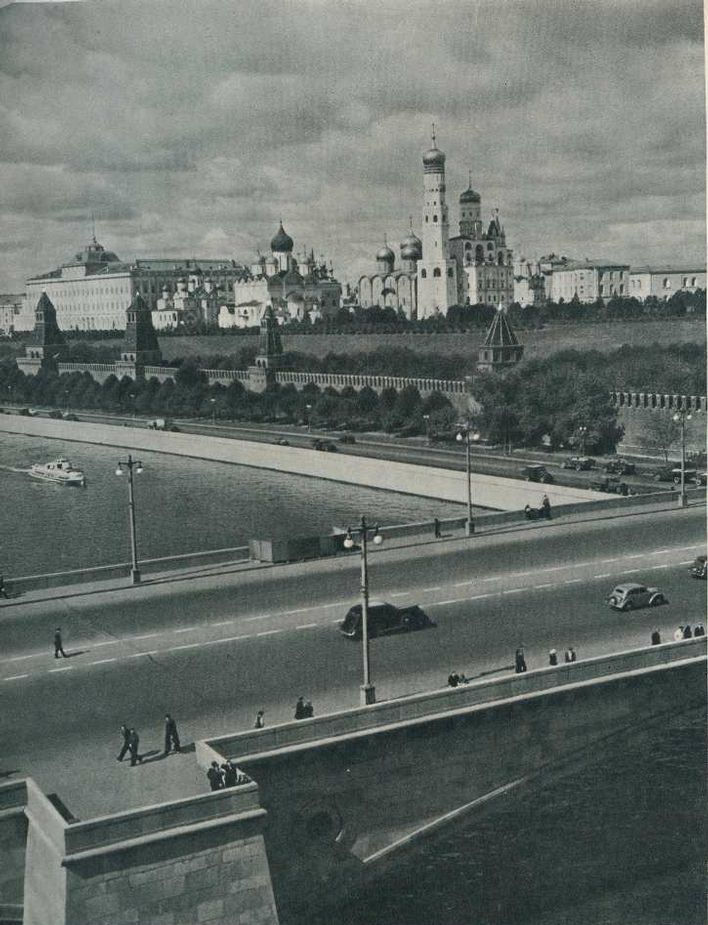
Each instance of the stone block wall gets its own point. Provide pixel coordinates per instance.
(13, 838)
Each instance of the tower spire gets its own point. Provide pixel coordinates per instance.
(433, 135)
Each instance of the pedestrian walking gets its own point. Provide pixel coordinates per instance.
(678, 635)
(171, 734)
(546, 507)
(552, 657)
(260, 721)
(656, 638)
(125, 747)
(133, 746)
(520, 661)
(687, 634)
(300, 708)
(436, 526)
(215, 776)
(3, 590)
(699, 630)
(58, 647)
(230, 774)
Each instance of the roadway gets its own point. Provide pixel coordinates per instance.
(214, 650)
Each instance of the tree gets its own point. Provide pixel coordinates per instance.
(659, 432)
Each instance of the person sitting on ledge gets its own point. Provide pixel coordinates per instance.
(453, 679)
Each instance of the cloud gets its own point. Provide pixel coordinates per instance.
(196, 125)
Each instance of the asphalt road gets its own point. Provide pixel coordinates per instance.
(214, 650)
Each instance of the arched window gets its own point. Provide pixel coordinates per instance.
(436, 271)
(468, 246)
(500, 260)
(424, 274)
(435, 218)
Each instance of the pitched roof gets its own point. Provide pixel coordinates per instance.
(500, 333)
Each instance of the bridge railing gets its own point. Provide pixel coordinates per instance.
(445, 702)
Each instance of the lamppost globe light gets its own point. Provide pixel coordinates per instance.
(138, 468)
(119, 471)
(460, 438)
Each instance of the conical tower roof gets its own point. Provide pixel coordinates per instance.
(140, 337)
(500, 332)
(270, 345)
(47, 332)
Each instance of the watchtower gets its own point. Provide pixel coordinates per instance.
(141, 348)
(261, 375)
(501, 348)
(47, 342)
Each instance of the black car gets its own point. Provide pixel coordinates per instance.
(55, 414)
(698, 569)
(385, 619)
(579, 463)
(347, 438)
(536, 474)
(619, 466)
(610, 486)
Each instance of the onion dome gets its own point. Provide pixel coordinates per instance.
(433, 159)
(411, 247)
(282, 243)
(470, 195)
(386, 254)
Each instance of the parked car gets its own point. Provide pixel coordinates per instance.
(537, 474)
(325, 445)
(690, 474)
(70, 416)
(698, 569)
(619, 466)
(665, 473)
(632, 596)
(347, 438)
(578, 463)
(611, 486)
(281, 441)
(25, 412)
(384, 619)
(56, 414)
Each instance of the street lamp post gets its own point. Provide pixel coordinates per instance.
(681, 417)
(128, 466)
(367, 689)
(582, 436)
(308, 409)
(466, 434)
(426, 418)
(213, 410)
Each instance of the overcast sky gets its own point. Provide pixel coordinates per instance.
(190, 126)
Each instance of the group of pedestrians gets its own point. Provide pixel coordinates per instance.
(303, 710)
(685, 632)
(454, 679)
(131, 741)
(226, 775)
(569, 656)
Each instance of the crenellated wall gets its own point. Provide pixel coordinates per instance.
(646, 419)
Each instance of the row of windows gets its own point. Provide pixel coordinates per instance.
(437, 273)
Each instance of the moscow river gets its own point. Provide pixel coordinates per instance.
(183, 505)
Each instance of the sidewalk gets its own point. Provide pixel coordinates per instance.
(423, 537)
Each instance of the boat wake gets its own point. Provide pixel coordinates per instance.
(12, 469)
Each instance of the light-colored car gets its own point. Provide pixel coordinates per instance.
(632, 596)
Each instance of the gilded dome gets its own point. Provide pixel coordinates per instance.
(386, 254)
(470, 195)
(434, 159)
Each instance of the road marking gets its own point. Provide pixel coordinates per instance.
(16, 677)
(109, 642)
(514, 591)
(425, 590)
(19, 658)
(638, 555)
(103, 661)
(186, 629)
(222, 623)
(603, 575)
(263, 616)
(146, 636)
(478, 597)
(65, 668)
(269, 632)
(288, 613)
(216, 642)
(459, 584)
(548, 585)
(459, 600)
(574, 581)
(399, 593)
(306, 626)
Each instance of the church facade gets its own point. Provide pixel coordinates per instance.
(298, 289)
(437, 270)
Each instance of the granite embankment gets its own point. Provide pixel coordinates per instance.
(489, 491)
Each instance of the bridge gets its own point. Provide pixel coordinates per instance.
(331, 801)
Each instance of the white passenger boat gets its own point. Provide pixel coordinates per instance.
(61, 471)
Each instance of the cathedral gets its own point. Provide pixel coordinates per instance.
(437, 270)
(301, 289)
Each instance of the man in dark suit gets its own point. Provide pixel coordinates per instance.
(58, 647)
(171, 734)
(125, 747)
(133, 745)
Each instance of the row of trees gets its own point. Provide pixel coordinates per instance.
(539, 402)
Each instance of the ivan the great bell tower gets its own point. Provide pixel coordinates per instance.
(437, 273)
